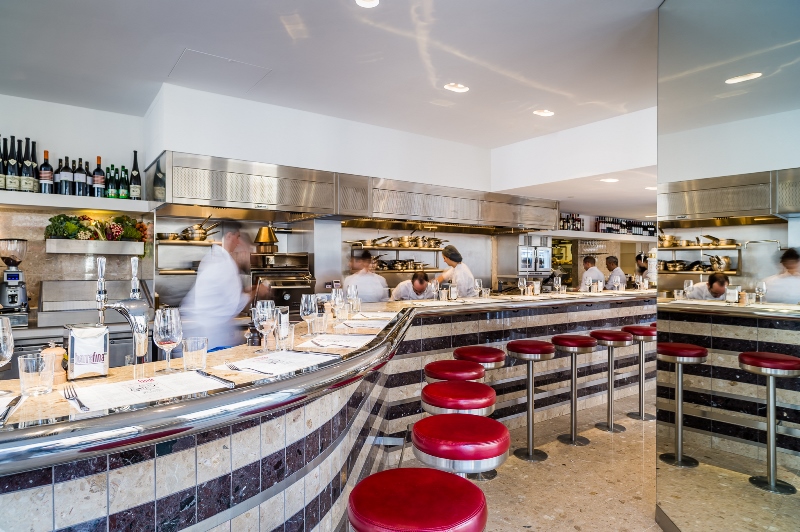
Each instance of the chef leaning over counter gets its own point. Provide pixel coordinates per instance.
(459, 273)
(418, 287)
(714, 289)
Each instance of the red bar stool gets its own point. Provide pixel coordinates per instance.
(458, 397)
(771, 365)
(416, 499)
(654, 324)
(487, 356)
(461, 444)
(641, 334)
(611, 339)
(530, 351)
(453, 370)
(680, 354)
(574, 344)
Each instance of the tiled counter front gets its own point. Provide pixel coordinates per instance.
(724, 406)
(290, 470)
(434, 336)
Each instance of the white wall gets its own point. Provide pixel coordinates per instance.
(603, 147)
(65, 130)
(199, 122)
(763, 143)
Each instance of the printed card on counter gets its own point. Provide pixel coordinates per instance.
(366, 324)
(347, 341)
(388, 316)
(282, 363)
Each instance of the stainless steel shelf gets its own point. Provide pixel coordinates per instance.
(700, 248)
(689, 272)
(74, 203)
(187, 242)
(383, 272)
(397, 248)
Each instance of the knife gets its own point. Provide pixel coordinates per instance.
(9, 409)
(226, 382)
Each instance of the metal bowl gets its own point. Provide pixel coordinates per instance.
(167, 236)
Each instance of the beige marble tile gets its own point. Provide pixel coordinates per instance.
(313, 416)
(294, 498)
(175, 472)
(213, 459)
(271, 513)
(781, 336)
(131, 486)
(312, 484)
(273, 436)
(28, 510)
(224, 527)
(295, 425)
(80, 500)
(247, 522)
(245, 447)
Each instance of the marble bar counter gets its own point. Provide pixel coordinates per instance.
(283, 453)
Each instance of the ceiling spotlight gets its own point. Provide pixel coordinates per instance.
(543, 112)
(651, 216)
(609, 180)
(746, 77)
(456, 87)
(368, 3)
(651, 188)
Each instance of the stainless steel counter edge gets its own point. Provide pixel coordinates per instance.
(731, 310)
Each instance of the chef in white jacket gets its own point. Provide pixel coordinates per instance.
(415, 288)
(458, 273)
(217, 295)
(371, 286)
(785, 287)
(713, 290)
(591, 271)
(612, 265)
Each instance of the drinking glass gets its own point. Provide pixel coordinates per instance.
(615, 281)
(352, 292)
(638, 282)
(284, 338)
(486, 292)
(355, 305)
(443, 295)
(478, 285)
(195, 350)
(557, 284)
(587, 282)
(434, 287)
(36, 372)
(264, 319)
(688, 285)
(167, 332)
(283, 318)
(521, 283)
(6, 346)
(761, 290)
(320, 323)
(308, 311)
(679, 295)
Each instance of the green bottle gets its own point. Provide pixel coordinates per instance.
(111, 184)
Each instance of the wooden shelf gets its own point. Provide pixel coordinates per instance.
(74, 203)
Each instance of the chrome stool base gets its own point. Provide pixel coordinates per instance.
(537, 456)
(616, 429)
(637, 415)
(781, 487)
(483, 477)
(579, 441)
(685, 461)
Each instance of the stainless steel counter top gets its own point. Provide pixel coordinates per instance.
(765, 310)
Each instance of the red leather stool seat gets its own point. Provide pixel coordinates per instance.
(411, 499)
(459, 395)
(461, 437)
(531, 347)
(611, 336)
(654, 324)
(671, 349)
(640, 330)
(573, 340)
(481, 354)
(454, 370)
(766, 360)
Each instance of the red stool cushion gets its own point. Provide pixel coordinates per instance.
(417, 499)
(763, 359)
(531, 347)
(612, 336)
(654, 324)
(681, 350)
(573, 340)
(454, 370)
(459, 395)
(461, 437)
(479, 353)
(640, 330)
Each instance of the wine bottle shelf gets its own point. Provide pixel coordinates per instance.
(74, 203)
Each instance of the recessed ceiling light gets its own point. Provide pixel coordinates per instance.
(651, 188)
(651, 216)
(746, 77)
(543, 112)
(456, 87)
(368, 3)
(609, 180)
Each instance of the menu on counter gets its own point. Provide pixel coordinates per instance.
(433, 303)
(347, 341)
(282, 363)
(383, 315)
(366, 324)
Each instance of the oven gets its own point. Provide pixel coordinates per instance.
(287, 274)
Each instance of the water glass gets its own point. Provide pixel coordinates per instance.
(679, 294)
(761, 290)
(615, 281)
(521, 284)
(485, 292)
(352, 291)
(283, 318)
(443, 295)
(6, 346)
(688, 285)
(320, 324)
(265, 304)
(308, 310)
(264, 319)
(195, 350)
(284, 338)
(557, 284)
(36, 372)
(751, 298)
(434, 287)
(478, 285)
(167, 332)
(355, 305)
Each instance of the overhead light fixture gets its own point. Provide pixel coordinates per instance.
(456, 87)
(651, 188)
(609, 180)
(368, 3)
(651, 216)
(746, 77)
(543, 112)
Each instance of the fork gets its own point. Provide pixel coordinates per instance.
(234, 367)
(70, 393)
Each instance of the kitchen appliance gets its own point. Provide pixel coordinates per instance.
(524, 255)
(266, 240)
(13, 292)
(287, 274)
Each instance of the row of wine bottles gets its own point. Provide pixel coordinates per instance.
(20, 171)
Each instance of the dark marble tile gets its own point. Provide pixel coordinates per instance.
(404, 409)
(698, 370)
(177, 511)
(404, 379)
(245, 482)
(213, 434)
(275, 414)
(771, 323)
(95, 525)
(735, 374)
(461, 340)
(295, 456)
(460, 318)
(137, 519)
(244, 425)
(335, 486)
(733, 430)
(26, 480)
(312, 513)
(338, 423)
(326, 499)
(733, 344)
(696, 339)
(557, 328)
(273, 469)
(213, 497)
(784, 441)
(174, 446)
(537, 331)
(520, 333)
(296, 523)
(774, 347)
(436, 343)
(686, 316)
(326, 433)
(134, 456)
(312, 445)
(80, 469)
(409, 346)
(435, 320)
(416, 322)
(490, 337)
(739, 321)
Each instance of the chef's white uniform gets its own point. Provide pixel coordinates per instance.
(594, 274)
(700, 291)
(622, 279)
(405, 291)
(371, 286)
(462, 276)
(783, 288)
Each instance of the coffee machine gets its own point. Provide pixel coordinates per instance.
(13, 293)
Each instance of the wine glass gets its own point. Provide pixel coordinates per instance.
(521, 284)
(338, 303)
(761, 290)
(6, 346)
(434, 284)
(557, 284)
(615, 281)
(587, 282)
(687, 286)
(352, 292)
(264, 319)
(167, 333)
(637, 280)
(265, 304)
(308, 310)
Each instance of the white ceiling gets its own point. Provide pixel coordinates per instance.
(587, 60)
(627, 198)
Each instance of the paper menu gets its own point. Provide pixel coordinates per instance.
(346, 341)
(374, 316)
(282, 362)
(366, 324)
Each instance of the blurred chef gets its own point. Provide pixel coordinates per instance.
(591, 271)
(415, 288)
(714, 289)
(612, 265)
(459, 273)
(641, 266)
(785, 287)
(371, 286)
(217, 296)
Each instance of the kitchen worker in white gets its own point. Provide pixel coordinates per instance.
(591, 271)
(612, 265)
(415, 288)
(371, 286)
(458, 273)
(785, 287)
(713, 290)
(641, 267)
(217, 296)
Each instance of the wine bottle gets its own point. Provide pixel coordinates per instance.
(79, 176)
(98, 181)
(35, 166)
(89, 178)
(46, 175)
(3, 164)
(124, 187)
(112, 183)
(12, 172)
(159, 183)
(67, 183)
(136, 179)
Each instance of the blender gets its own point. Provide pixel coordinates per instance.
(13, 293)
